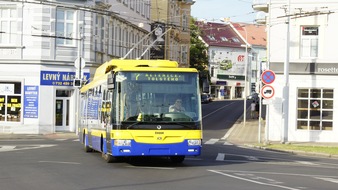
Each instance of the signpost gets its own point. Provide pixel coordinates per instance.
(268, 77)
(79, 64)
(267, 92)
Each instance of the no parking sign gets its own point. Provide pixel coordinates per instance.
(268, 77)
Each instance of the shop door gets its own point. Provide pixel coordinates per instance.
(62, 113)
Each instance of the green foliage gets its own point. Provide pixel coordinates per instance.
(198, 51)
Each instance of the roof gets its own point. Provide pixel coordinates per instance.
(219, 34)
(256, 33)
(232, 34)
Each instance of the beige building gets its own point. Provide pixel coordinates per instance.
(174, 17)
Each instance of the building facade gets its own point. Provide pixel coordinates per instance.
(174, 17)
(302, 54)
(44, 46)
(232, 58)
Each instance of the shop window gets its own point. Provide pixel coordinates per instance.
(10, 102)
(13, 108)
(315, 109)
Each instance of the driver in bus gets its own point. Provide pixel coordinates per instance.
(177, 107)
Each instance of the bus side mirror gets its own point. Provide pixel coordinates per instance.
(111, 81)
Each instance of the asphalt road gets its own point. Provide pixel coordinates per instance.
(61, 163)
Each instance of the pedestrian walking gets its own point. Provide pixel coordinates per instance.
(253, 109)
(257, 109)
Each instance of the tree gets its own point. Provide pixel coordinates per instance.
(198, 53)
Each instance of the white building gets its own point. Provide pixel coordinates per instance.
(306, 65)
(39, 43)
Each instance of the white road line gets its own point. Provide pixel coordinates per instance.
(157, 168)
(220, 157)
(227, 143)
(7, 148)
(211, 141)
(328, 179)
(218, 109)
(307, 163)
(58, 162)
(251, 157)
(253, 181)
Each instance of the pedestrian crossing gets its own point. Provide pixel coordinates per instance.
(217, 141)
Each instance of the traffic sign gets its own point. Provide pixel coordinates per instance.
(79, 63)
(268, 77)
(267, 91)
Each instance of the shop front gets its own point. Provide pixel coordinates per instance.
(40, 101)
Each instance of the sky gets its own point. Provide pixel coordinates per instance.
(213, 10)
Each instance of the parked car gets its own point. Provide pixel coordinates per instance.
(204, 98)
(209, 97)
(253, 96)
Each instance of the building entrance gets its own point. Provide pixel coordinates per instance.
(62, 103)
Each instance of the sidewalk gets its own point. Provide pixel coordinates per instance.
(58, 135)
(248, 135)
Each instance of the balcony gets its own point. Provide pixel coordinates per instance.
(260, 17)
(260, 5)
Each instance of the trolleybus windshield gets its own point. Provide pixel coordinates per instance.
(147, 100)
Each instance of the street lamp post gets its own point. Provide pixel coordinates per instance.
(245, 69)
(245, 74)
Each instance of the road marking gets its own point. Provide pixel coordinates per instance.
(227, 143)
(220, 157)
(328, 179)
(144, 167)
(58, 162)
(211, 141)
(307, 163)
(7, 148)
(251, 157)
(217, 110)
(23, 147)
(253, 181)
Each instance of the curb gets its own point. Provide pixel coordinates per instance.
(304, 153)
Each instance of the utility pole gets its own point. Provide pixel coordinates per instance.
(286, 87)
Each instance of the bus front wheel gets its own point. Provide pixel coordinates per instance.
(108, 158)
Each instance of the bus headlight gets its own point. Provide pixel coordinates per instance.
(122, 142)
(194, 142)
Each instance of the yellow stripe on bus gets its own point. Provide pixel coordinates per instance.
(157, 136)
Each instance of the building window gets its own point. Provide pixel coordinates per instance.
(309, 41)
(10, 101)
(65, 20)
(8, 25)
(315, 109)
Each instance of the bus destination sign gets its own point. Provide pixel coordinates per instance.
(158, 77)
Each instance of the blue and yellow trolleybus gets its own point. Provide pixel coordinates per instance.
(130, 108)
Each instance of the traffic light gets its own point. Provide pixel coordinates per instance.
(77, 82)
